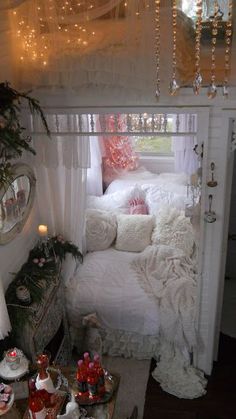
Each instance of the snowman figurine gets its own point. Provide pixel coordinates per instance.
(72, 410)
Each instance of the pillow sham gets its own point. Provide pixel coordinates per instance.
(117, 202)
(174, 229)
(156, 197)
(100, 230)
(133, 232)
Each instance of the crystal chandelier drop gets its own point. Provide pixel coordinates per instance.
(228, 36)
(174, 86)
(212, 89)
(157, 39)
(198, 78)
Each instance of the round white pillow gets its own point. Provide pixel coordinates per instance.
(101, 229)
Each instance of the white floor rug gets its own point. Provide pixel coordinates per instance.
(134, 376)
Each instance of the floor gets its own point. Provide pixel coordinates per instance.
(219, 401)
(228, 320)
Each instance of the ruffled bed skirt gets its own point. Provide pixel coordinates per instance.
(173, 371)
(116, 342)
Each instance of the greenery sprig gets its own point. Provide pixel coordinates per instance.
(13, 139)
(40, 270)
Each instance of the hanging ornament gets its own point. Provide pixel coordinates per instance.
(212, 90)
(157, 41)
(228, 36)
(23, 294)
(197, 82)
(174, 86)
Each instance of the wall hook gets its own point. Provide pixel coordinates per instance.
(210, 216)
(212, 183)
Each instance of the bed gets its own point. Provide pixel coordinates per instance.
(139, 276)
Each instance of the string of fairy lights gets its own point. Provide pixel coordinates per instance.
(54, 18)
(157, 41)
(60, 19)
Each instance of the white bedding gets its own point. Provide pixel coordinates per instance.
(147, 293)
(106, 284)
(171, 182)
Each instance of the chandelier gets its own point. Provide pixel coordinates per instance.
(48, 31)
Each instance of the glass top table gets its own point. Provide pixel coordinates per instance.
(65, 381)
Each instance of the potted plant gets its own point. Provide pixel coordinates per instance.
(13, 138)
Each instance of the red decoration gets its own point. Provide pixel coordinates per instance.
(12, 354)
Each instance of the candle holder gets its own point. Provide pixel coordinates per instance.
(43, 234)
(13, 357)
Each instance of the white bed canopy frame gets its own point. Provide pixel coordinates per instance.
(69, 122)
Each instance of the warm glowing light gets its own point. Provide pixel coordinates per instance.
(42, 230)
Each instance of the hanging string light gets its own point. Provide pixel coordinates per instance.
(34, 38)
(228, 36)
(157, 41)
(174, 86)
(212, 90)
(198, 78)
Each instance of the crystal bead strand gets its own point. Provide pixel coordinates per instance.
(198, 78)
(174, 86)
(212, 90)
(157, 41)
(228, 35)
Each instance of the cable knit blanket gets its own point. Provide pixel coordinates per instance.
(169, 276)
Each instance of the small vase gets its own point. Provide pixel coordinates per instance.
(23, 294)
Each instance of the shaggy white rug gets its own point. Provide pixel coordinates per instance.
(133, 382)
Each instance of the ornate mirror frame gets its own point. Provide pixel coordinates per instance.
(18, 170)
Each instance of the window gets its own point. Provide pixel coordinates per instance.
(189, 8)
(153, 145)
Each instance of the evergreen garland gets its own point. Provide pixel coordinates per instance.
(13, 140)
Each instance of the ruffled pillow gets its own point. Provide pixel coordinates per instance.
(117, 202)
(101, 230)
(174, 229)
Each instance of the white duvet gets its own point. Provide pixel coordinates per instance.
(147, 293)
(107, 284)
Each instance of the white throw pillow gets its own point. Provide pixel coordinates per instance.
(156, 197)
(117, 202)
(100, 230)
(133, 232)
(174, 229)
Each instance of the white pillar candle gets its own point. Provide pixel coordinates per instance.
(43, 230)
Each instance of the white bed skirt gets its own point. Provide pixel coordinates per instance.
(173, 371)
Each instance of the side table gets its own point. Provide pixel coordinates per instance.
(47, 327)
(97, 411)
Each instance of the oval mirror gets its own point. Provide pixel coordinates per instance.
(16, 200)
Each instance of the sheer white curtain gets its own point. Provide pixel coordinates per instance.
(61, 172)
(94, 173)
(5, 325)
(186, 160)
